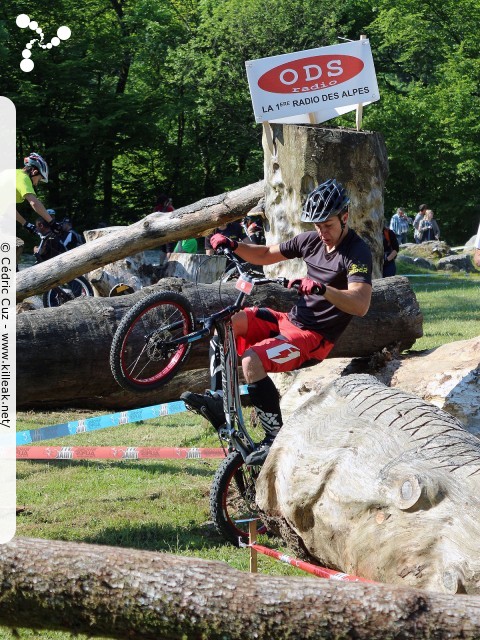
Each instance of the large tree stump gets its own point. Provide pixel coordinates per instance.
(72, 342)
(303, 156)
(378, 483)
(127, 593)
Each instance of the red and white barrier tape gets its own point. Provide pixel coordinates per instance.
(116, 453)
(315, 570)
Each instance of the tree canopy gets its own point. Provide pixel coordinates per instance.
(151, 96)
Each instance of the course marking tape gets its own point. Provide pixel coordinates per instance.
(116, 453)
(103, 422)
(320, 572)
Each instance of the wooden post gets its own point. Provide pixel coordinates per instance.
(359, 114)
(252, 538)
(269, 138)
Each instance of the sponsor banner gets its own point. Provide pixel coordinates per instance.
(325, 82)
(116, 453)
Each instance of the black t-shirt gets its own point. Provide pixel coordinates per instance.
(351, 261)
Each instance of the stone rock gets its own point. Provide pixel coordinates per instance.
(460, 262)
(424, 263)
(428, 250)
(406, 259)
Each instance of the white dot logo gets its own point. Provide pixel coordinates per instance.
(23, 22)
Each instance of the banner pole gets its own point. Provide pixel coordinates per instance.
(359, 112)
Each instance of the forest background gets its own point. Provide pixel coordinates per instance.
(151, 96)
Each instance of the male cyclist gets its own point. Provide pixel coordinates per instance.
(27, 179)
(337, 287)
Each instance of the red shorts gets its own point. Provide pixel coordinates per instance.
(280, 345)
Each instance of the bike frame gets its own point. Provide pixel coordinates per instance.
(221, 322)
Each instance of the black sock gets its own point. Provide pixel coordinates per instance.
(266, 400)
(215, 365)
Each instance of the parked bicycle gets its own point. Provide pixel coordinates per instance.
(150, 346)
(50, 246)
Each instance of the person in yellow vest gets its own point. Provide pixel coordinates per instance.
(35, 170)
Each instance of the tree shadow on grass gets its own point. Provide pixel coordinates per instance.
(157, 537)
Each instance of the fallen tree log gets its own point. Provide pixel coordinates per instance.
(72, 342)
(79, 373)
(125, 593)
(375, 482)
(148, 233)
(446, 376)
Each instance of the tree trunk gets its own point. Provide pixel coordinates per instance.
(378, 483)
(72, 342)
(127, 593)
(303, 156)
(148, 233)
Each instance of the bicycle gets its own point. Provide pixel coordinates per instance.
(49, 247)
(152, 343)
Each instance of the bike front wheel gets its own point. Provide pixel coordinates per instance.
(232, 498)
(77, 288)
(143, 354)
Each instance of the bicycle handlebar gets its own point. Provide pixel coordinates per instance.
(245, 272)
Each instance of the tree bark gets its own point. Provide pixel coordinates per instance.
(72, 342)
(127, 593)
(148, 233)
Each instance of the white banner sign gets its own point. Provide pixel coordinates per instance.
(325, 82)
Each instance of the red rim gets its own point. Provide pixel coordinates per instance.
(172, 362)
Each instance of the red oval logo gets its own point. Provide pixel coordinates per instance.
(310, 74)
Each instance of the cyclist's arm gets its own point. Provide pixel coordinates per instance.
(260, 254)
(20, 219)
(355, 300)
(38, 207)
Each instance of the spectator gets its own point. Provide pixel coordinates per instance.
(476, 255)
(416, 223)
(34, 171)
(253, 226)
(337, 287)
(50, 244)
(164, 205)
(399, 225)
(187, 246)
(390, 252)
(429, 228)
(70, 238)
(233, 230)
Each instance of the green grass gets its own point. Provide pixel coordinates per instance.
(163, 505)
(449, 303)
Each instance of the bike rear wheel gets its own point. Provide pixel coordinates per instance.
(142, 356)
(232, 498)
(77, 288)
